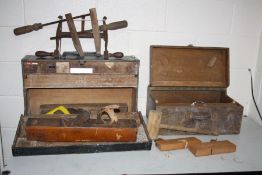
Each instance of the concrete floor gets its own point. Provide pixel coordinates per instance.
(248, 157)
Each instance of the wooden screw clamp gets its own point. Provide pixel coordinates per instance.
(97, 32)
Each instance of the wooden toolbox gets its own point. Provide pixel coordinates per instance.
(87, 84)
(188, 86)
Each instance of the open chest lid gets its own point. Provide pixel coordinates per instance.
(188, 66)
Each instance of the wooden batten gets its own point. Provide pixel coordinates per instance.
(79, 81)
(128, 65)
(54, 129)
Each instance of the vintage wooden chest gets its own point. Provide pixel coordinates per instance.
(188, 85)
(89, 84)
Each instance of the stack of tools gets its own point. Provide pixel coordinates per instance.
(196, 146)
(97, 32)
(81, 127)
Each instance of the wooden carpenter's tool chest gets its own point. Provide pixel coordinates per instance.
(89, 84)
(188, 86)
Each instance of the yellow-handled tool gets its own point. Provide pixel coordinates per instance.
(58, 108)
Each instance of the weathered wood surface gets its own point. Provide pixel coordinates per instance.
(37, 97)
(22, 142)
(213, 118)
(153, 123)
(185, 96)
(219, 114)
(98, 67)
(189, 66)
(121, 115)
(59, 130)
(180, 76)
(79, 80)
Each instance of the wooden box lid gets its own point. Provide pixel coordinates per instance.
(187, 66)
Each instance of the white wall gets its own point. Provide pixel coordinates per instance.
(257, 80)
(227, 23)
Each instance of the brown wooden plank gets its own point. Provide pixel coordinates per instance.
(37, 97)
(153, 123)
(122, 116)
(98, 66)
(187, 129)
(71, 134)
(109, 67)
(188, 83)
(79, 80)
(185, 96)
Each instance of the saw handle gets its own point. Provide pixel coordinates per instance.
(109, 110)
(114, 25)
(116, 55)
(43, 54)
(27, 29)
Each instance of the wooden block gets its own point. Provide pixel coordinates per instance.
(212, 148)
(153, 123)
(174, 144)
(200, 149)
(220, 147)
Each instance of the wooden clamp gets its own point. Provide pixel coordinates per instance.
(73, 33)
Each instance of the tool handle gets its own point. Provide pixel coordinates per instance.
(96, 32)
(43, 54)
(27, 29)
(116, 54)
(114, 25)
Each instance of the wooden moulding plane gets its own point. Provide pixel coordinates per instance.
(196, 146)
(97, 32)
